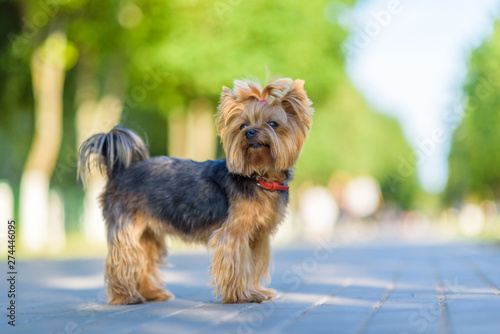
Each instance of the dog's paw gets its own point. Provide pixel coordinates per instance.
(269, 293)
(119, 299)
(164, 295)
(159, 296)
(241, 297)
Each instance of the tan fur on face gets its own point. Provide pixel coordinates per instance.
(287, 105)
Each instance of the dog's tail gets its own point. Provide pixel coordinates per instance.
(110, 152)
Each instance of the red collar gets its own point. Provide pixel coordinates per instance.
(271, 186)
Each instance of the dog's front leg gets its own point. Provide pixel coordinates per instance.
(261, 253)
(232, 266)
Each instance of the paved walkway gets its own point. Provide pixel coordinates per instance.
(368, 288)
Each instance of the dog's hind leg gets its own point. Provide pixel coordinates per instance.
(126, 261)
(151, 285)
(131, 270)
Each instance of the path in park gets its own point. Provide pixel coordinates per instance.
(397, 287)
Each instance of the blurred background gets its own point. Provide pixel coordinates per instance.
(404, 144)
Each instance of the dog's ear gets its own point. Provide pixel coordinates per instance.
(226, 97)
(228, 107)
(297, 105)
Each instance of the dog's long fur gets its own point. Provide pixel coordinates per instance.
(218, 203)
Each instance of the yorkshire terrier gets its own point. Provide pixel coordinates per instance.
(233, 205)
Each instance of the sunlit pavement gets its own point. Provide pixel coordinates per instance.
(374, 287)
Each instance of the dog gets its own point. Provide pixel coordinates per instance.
(232, 205)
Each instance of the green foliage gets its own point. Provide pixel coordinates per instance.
(207, 44)
(16, 101)
(475, 156)
(347, 136)
(159, 56)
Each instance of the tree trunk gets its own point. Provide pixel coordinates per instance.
(47, 70)
(193, 135)
(6, 203)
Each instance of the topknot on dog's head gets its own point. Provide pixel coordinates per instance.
(248, 89)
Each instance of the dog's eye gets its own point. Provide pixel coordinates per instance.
(272, 124)
(243, 126)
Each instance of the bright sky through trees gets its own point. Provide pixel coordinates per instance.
(409, 59)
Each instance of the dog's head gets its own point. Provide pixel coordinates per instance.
(263, 129)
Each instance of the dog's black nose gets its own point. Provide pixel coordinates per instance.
(250, 133)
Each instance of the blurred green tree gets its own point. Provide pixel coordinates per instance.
(347, 136)
(139, 60)
(475, 154)
(44, 47)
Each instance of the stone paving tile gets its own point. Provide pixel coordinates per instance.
(377, 287)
